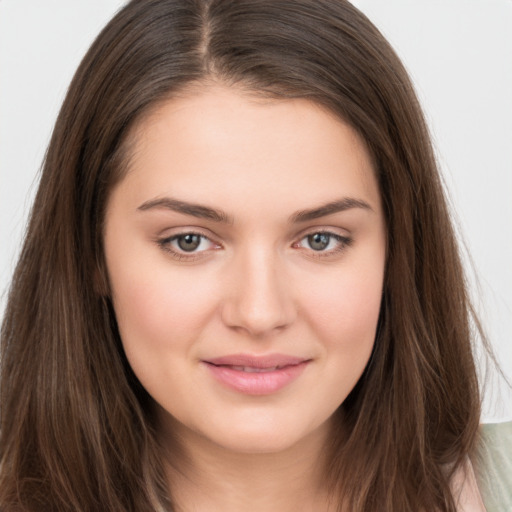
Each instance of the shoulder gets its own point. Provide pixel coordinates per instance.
(493, 466)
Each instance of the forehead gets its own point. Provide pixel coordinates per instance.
(225, 145)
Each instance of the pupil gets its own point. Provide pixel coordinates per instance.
(318, 241)
(189, 243)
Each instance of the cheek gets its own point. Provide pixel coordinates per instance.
(156, 307)
(344, 311)
(160, 314)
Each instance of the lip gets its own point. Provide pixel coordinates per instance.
(256, 375)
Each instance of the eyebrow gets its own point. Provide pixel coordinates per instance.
(193, 209)
(340, 205)
(206, 212)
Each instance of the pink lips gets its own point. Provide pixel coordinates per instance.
(256, 375)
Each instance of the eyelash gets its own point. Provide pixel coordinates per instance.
(343, 242)
(165, 245)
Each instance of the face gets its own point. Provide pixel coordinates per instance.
(245, 249)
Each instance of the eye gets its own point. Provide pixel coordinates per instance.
(324, 242)
(318, 241)
(189, 242)
(187, 245)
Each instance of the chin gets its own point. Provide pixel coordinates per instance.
(258, 443)
(264, 437)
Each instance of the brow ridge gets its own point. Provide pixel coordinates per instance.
(194, 209)
(206, 212)
(340, 205)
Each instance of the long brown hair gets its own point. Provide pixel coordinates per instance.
(76, 427)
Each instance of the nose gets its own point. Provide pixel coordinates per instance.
(259, 298)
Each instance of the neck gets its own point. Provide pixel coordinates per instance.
(204, 476)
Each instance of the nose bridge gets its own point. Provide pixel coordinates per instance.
(260, 298)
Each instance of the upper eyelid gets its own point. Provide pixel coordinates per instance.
(320, 229)
(336, 236)
(185, 230)
(171, 238)
(166, 245)
(342, 244)
(193, 230)
(167, 237)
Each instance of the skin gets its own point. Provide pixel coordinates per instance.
(254, 285)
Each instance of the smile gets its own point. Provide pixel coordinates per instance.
(254, 375)
(251, 369)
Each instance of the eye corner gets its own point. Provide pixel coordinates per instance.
(328, 243)
(171, 245)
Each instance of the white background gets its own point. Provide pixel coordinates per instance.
(459, 53)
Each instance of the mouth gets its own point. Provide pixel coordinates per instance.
(251, 369)
(256, 375)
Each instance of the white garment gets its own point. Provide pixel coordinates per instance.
(465, 490)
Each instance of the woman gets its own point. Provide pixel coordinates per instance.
(240, 288)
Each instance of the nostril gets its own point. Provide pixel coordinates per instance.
(259, 299)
